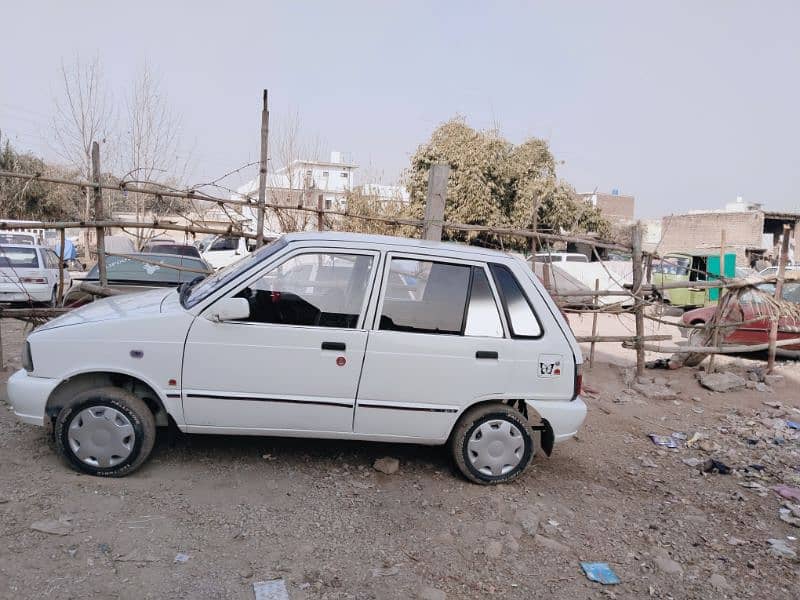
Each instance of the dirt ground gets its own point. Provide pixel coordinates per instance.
(319, 516)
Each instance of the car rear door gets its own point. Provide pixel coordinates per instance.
(294, 364)
(437, 343)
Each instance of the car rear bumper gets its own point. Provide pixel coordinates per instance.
(12, 292)
(28, 396)
(564, 417)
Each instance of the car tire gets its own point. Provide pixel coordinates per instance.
(107, 432)
(492, 443)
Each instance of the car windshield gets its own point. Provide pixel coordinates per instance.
(210, 284)
(672, 265)
(19, 258)
(127, 268)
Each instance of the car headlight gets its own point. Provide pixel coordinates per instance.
(27, 359)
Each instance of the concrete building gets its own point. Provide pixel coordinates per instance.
(750, 232)
(615, 207)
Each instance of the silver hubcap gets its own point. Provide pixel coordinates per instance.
(101, 436)
(496, 447)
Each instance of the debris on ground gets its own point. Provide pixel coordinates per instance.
(787, 491)
(431, 593)
(386, 465)
(790, 513)
(722, 382)
(715, 466)
(665, 564)
(781, 549)
(180, 557)
(654, 391)
(60, 526)
(274, 589)
(600, 572)
(666, 441)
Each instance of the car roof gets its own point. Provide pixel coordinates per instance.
(388, 240)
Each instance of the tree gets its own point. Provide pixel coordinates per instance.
(497, 184)
(151, 147)
(82, 115)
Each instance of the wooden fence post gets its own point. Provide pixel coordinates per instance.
(715, 332)
(595, 305)
(99, 215)
(638, 306)
(773, 328)
(434, 202)
(262, 174)
(61, 266)
(320, 212)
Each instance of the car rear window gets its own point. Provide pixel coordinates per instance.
(19, 258)
(121, 268)
(519, 312)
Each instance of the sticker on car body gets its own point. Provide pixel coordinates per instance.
(549, 365)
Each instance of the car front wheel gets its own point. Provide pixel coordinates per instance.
(107, 432)
(492, 444)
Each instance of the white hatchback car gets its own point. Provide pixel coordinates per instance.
(319, 335)
(29, 274)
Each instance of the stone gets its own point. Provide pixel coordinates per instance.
(719, 583)
(693, 462)
(61, 526)
(722, 382)
(762, 387)
(655, 391)
(551, 544)
(773, 380)
(494, 549)
(750, 385)
(528, 520)
(387, 465)
(666, 565)
(385, 571)
(780, 549)
(431, 593)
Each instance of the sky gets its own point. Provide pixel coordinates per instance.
(684, 105)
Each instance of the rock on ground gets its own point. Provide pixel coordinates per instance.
(655, 391)
(387, 465)
(722, 382)
(430, 593)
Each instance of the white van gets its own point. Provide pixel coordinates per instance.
(222, 250)
(323, 335)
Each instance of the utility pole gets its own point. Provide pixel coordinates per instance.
(434, 201)
(262, 173)
(99, 215)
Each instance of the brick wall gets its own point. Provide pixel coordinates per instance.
(615, 208)
(703, 232)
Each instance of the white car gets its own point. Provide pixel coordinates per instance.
(222, 250)
(554, 257)
(29, 274)
(323, 335)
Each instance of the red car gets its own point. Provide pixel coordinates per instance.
(750, 308)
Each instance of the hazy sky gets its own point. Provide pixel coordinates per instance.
(682, 104)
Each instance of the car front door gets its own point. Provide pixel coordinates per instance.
(294, 364)
(438, 343)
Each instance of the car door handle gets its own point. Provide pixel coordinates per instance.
(340, 346)
(486, 354)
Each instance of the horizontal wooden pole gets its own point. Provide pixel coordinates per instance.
(165, 225)
(97, 290)
(716, 349)
(620, 338)
(21, 313)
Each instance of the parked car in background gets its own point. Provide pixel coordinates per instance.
(751, 308)
(222, 250)
(29, 274)
(17, 237)
(128, 275)
(163, 248)
(773, 271)
(554, 257)
(319, 334)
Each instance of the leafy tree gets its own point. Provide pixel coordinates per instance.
(495, 183)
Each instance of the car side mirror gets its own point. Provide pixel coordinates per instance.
(229, 309)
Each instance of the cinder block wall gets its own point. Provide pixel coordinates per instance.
(704, 231)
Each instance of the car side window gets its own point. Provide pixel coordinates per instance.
(49, 261)
(425, 297)
(317, 289)
(519, 312)
(224, 243)
(483, 318)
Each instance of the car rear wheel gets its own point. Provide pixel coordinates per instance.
(107, 432)
(492, 444)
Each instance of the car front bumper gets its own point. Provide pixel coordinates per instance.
(28, 396)
(564, 417)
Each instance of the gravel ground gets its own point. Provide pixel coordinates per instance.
(318, 515)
